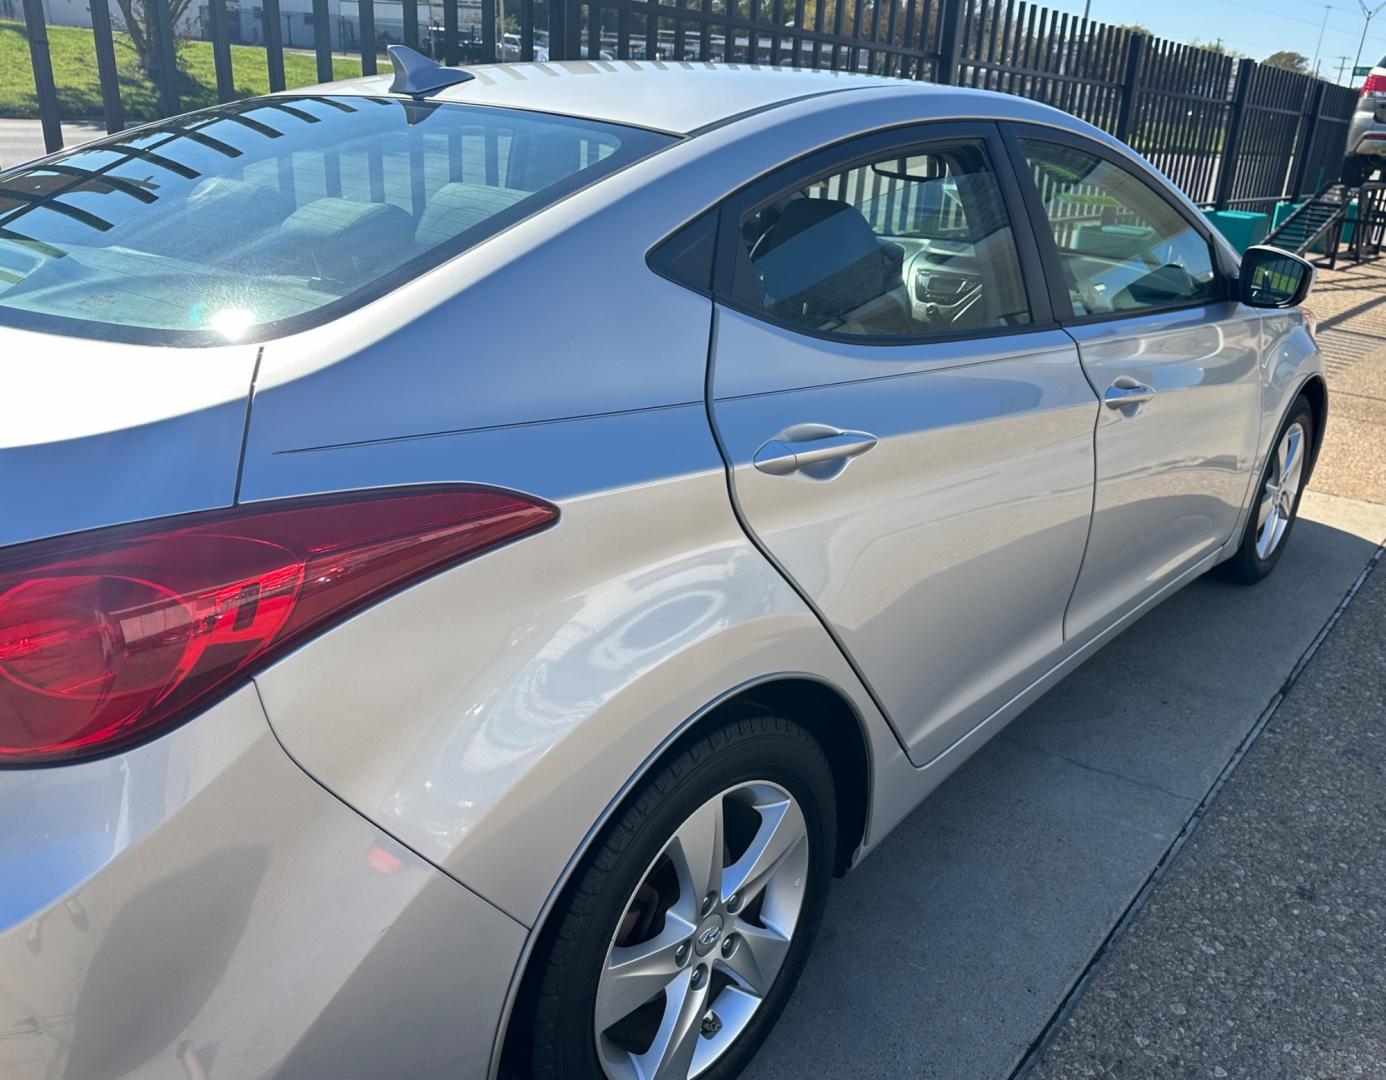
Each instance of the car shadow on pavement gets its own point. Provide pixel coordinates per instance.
(945, 954)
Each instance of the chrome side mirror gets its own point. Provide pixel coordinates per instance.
(1272, 278)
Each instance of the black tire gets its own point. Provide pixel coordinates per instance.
(1357, 169)
(1246, 567)
(551, 1033)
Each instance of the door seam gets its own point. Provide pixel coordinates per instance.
(728, 470)
(1092, 507)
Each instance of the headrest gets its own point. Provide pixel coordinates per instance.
(341, 219)
(456, 207)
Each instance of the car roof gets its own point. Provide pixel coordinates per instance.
(673, 96)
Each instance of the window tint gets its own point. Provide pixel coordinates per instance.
(274, 212)
(899, 247)
(1122, 246)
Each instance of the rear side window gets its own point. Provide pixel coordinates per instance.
(1122, 246)
(911, 245)
(268, 215)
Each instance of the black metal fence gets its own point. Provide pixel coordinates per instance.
(1230, 133)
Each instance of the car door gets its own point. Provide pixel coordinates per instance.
(1135, 279)
(909, 435)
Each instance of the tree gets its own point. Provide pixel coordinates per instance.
(1289, 60)
(138, 16)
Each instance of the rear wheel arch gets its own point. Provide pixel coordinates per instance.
(823, 710)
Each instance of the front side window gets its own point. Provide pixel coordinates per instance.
(905, 246)
(1122, 246)
(266, 215)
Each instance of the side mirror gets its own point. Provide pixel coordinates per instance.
(1272, 278)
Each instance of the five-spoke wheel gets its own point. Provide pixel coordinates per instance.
(681, 936)
(704, 936)
(1281, 487)
(1277, 498)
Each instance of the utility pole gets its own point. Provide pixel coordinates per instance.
(1322, 27)
(1367, 15)
(1342, 63)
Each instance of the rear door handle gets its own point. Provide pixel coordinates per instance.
(822, 454)
(1126, 391)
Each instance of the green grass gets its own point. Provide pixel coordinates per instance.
(73, 54)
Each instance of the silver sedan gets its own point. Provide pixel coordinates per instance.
(483, 549)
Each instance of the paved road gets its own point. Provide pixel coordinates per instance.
(948, 952)
(22, 140)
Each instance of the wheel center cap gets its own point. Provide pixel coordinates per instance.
(709, 933)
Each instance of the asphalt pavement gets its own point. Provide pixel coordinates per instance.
(1260, 952)
(22, 140)
(961, 945)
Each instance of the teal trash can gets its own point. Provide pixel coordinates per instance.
(1242, 228)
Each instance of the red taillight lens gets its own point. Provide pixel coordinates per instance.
(1375, 84)
(112, 636)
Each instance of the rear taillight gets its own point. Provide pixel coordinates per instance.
(1375, 84)
(113, 636)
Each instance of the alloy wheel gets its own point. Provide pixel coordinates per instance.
(704, 936)
(1277, 503)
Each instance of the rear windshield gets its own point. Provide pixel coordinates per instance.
(264, 216)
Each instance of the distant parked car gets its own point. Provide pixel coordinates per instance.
(482, 550)
(1366, 141)
(512, 49)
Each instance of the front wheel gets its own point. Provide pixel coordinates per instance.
(681, 937)
(1277, 499)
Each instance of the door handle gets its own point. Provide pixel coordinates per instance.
(1126, 392)
(822, 454)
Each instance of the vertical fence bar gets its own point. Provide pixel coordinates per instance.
(221, 50)
(526, 29)
(166, 50)
(1308, 133)
(681, 31)
(366, 12)
(409, 14)
(1227, 175)
(44, 89)
(564, 20)
(950, 18)
(1131, 85)
(907, 67)
(322, 40)
(594, 32)
(489, 41)
(274, 43)
(450, 31)
(854, 53)
(111, 107)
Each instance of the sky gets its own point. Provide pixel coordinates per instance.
(1255, 29)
